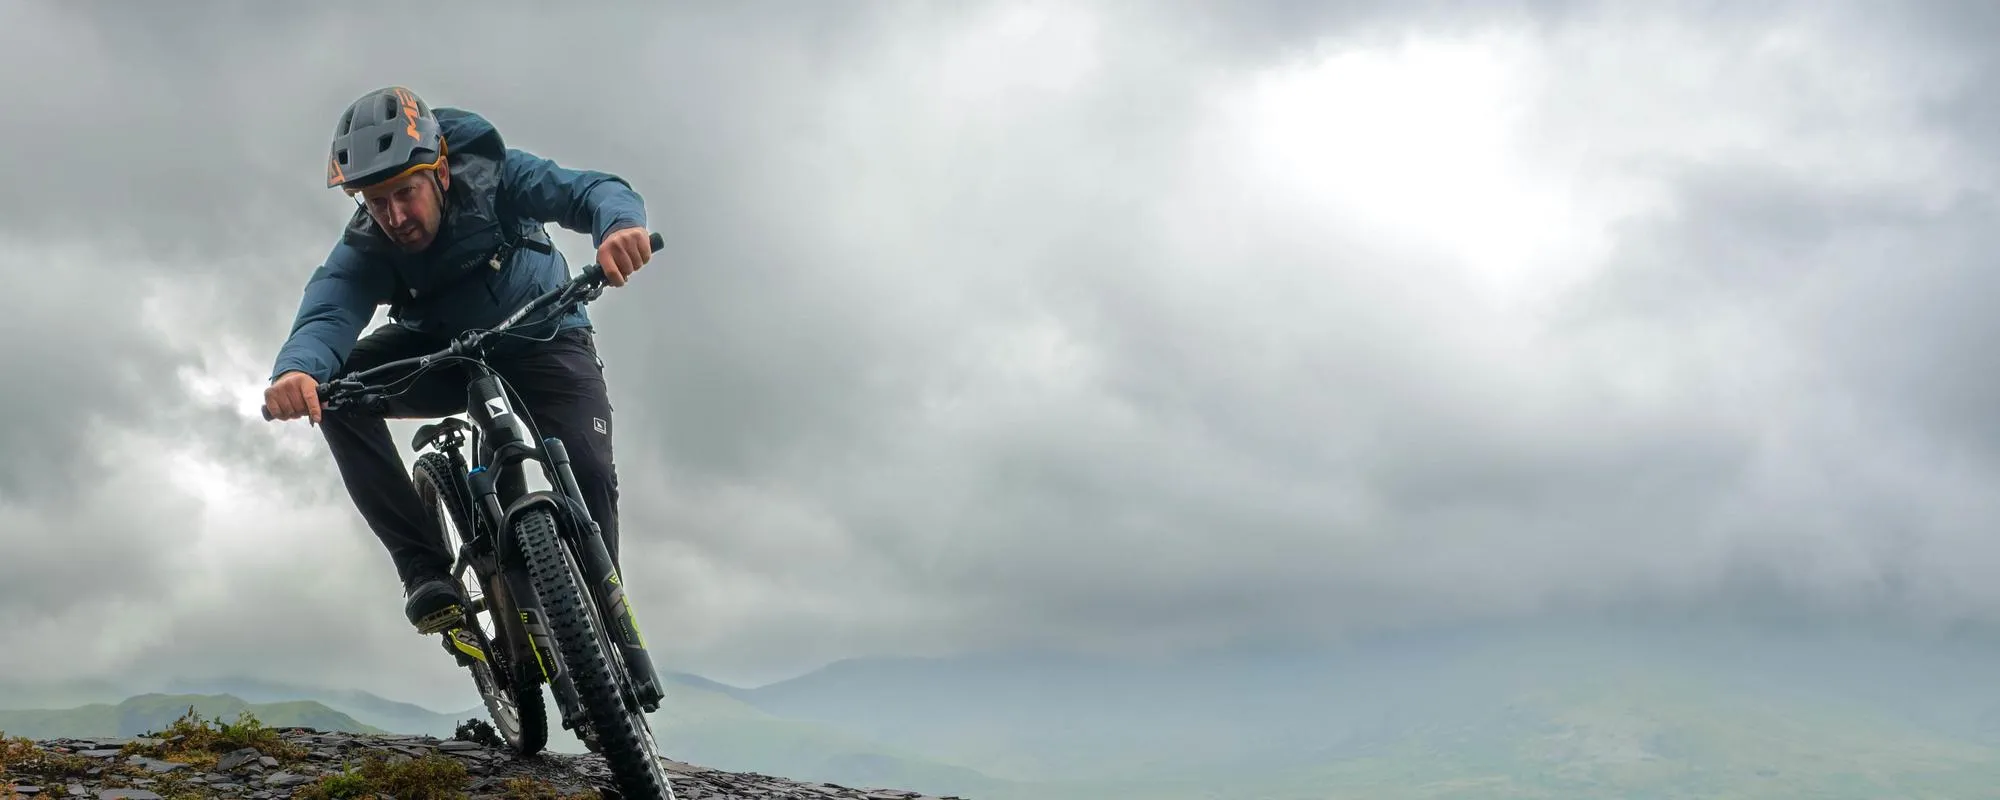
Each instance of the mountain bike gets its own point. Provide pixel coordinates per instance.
(559, 610)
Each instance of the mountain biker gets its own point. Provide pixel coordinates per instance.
(449, 234)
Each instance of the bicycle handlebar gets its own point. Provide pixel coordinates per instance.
(590, 279)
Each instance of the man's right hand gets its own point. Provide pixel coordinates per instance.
(293, 395)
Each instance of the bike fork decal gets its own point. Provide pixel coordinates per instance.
(628, 624)
(541, 644)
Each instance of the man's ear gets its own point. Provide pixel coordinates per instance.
(444, 174)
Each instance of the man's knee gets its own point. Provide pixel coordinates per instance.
(347, 427)
(593, 466)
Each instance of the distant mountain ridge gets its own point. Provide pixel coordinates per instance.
(391, 715)
(157, 711)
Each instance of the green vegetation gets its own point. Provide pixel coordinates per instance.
(20, 757)
(191, 740)
(433, 777)
(530, 789)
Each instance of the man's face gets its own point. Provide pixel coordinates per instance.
(408, 208)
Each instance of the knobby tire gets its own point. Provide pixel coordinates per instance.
(437, 486)
(626, 749)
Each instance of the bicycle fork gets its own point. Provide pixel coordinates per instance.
(606, 585)
(526, 601)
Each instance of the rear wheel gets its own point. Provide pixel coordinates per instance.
(621, 732)
(518, 712)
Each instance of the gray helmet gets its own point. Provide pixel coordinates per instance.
(382, 135)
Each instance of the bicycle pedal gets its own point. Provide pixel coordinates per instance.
(464, 646)
(441, 620)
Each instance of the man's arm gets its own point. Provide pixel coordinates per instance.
(584, 201)
(340, 298)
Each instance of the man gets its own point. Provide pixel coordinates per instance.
(450, 235)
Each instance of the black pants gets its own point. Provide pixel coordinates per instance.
(562, 382)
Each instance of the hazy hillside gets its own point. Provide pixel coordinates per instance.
(701, 722)
(1647, 712)
(149, 712)
(1531, 712)
(389, 715)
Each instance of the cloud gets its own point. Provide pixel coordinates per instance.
(1117, 325)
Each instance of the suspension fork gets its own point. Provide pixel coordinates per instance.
(527, 603)
(605, 583)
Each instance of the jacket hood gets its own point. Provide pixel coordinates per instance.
(468, 132)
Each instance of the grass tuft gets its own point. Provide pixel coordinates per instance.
(531, 789)
(200, 743)
(20, 756)
(433, 777)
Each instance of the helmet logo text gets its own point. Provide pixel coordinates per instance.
(409, 111)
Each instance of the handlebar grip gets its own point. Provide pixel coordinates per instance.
(595, 271)
(319, 390)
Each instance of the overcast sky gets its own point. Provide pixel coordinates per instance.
(1132, 325)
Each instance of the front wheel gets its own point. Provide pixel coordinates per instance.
(623, 737)
(517, 711)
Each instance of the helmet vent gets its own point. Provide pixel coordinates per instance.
(382, 143)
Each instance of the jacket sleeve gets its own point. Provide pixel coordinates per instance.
(584, 201)
(340, 298)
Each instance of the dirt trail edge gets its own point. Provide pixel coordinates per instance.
(194, 760)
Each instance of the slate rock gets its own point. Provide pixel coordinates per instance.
(156, 765)
(128, 794)
(287, 779)
(237, 758)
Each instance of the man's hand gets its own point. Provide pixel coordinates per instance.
(293, 395)
(623, 253)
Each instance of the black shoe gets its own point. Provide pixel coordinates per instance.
(434, 604)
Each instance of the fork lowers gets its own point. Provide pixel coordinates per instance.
(606, 584)
(541, 643)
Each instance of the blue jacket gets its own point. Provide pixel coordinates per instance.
(499, 196)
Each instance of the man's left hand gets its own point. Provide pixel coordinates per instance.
(623, 253)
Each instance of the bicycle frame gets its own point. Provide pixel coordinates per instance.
(502, 441)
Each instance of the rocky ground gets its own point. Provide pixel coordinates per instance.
(193, 760)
